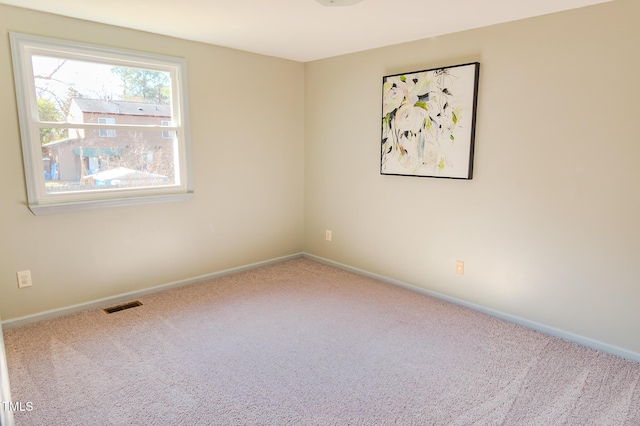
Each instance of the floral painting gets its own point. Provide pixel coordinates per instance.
(428, 122)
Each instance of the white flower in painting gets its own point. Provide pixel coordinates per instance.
(394, 93)
(410, 118)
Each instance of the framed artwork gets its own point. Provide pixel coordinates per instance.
(428, 122)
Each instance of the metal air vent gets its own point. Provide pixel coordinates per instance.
(122, 307)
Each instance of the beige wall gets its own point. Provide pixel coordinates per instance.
(247, 116)
(549, 228)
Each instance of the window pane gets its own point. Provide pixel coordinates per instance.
(75, 91)
(88, 162)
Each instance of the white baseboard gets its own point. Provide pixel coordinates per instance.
(585, 341)
(124, 297)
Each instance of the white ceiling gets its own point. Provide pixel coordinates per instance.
(301, 30)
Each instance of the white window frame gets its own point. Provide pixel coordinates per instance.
(23, 47)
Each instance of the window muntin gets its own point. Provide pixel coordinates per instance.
(100, 124)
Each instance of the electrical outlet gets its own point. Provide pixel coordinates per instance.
(327, 235)
(24, 279)
(459, 267)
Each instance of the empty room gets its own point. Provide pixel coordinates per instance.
(320, 212)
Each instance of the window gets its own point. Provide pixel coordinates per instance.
(167, 134)
(100, 126)
(107, 133)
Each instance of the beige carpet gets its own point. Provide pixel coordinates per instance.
(303, 343)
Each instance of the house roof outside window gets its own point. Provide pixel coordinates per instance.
(101, 106)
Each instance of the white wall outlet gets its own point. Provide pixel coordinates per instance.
(327, 235)
(24, 279)
(459, 267)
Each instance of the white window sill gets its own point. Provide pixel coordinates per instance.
(46, 209)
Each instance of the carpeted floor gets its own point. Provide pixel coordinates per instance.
(303, 343)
